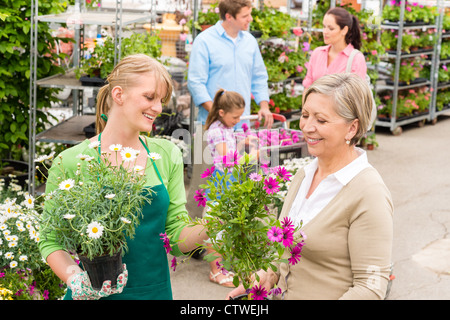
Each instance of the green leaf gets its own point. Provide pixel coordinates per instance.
(236, 281)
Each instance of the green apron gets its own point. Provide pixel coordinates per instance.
(146, 258)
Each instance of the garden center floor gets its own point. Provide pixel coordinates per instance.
(416, 168)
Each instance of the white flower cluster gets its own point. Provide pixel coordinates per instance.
(19, 231)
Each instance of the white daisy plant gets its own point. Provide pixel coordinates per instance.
(95, 211)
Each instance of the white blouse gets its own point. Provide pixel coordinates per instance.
(306, 209)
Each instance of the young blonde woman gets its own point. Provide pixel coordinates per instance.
(345, 208)
(128, 104)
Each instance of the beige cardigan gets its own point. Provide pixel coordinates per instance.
(347, 252)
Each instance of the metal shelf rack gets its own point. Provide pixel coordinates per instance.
(438, 62)
(395, 124)
(70, 131)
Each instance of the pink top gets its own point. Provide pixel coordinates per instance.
(318, 64)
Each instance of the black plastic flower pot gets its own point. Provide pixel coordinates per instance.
(244, 296)
(103, 268)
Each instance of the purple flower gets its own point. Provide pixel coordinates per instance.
(221, 268)
(287, 223)
(208, 172)
(200, 198)
(163, 236)
(173, 263)
(288, 237)
(306, 46)
(271, 185)
(258, 292)
(231, 158)
(255, 177)
(275, 291)
(244, 127)
(295, 254)
(283, 173)
(275, 234)
(45, 294)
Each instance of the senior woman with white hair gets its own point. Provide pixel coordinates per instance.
(345, 208)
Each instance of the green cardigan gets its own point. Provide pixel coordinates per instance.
(170, 167)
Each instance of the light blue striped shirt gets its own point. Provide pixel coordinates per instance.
(217, 62)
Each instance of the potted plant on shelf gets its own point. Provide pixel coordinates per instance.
(93, 215)
(409, 71)
(241, 227)
(371, 141)
(283, 102)
(443, 100)
(414, 13)
(205, 19)
(271, 23)
(410, 102)
(97, 65)
(283, 61)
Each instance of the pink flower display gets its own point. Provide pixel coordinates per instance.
(275, 234)
(200, 197)
(165, 239)
(283, 173)
(207, 173)
(258, 292)
(271, 185)
(173, 263)
(288, 237)
(231, 159)
(295, 254)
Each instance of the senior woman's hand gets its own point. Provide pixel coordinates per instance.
(267, 280)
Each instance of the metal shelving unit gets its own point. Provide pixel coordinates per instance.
(395, 124)
(438, 63)
(70, 131)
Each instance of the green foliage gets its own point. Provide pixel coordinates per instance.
(445, 50)
(409, 70)
(271, 22)
(15, 70)
(282, 61)
(409, 102)
(442, 99)
(283, 101)
(413, 12)
(101, 61)
(206, 17)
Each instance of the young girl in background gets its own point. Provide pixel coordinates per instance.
(226, 112)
